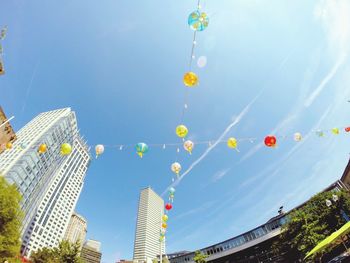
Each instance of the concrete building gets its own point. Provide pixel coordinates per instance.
(91, 252)
(7, 134)
(76, 230)
(150, 211)
(49, 182)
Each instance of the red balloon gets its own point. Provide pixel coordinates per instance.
(168, 206)
(270, 141)
(347, 129)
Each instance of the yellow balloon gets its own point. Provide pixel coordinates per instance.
(165, 218)
(335, 131)
(66, 149)
(181, 131)
(8, 145)
(42, 148)
(190, 79)
(232, 143)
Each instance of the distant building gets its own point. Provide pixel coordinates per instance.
(256, 244)
(7, 134)
(91, 252)
(150, 211)
(76, 230)
(49, 182)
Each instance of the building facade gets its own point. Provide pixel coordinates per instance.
(255, 246)
(150, 211)
(7, 134)
(49, 182)
(91, 252)
(76, 230)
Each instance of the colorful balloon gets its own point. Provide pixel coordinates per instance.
(232, 143)
(176, 168)
(161, 238)
(298, 137)
(189, 145)
(202, 61)
(42, 148)
(8, 145)
(168, 206)
(198, 21)
(66, 149)
(347, 129)
(141, 149)
(181, 131)
(164, 225)
(99, 149)
(165, 218)
(270, 141)
(190, 79)
(335, 131)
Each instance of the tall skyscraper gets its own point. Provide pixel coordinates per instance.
(91, 252)
(76, 230)
(147, 244)
(49, 182)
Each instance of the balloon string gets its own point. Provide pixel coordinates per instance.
(194, 42)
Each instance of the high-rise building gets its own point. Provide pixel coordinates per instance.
(76, 230)
(147, 238)
(91, 252)
(49, 182)
(6, 132)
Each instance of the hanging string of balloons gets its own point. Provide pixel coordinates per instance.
(143, 148)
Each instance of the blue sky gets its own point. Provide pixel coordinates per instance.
(119, 65)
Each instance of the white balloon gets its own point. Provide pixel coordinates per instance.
(202, 61)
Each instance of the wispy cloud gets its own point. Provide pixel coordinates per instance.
(275, 167)
(196, 210)
(335, 18)
(220, 174)
(221, 137)
(324, 82)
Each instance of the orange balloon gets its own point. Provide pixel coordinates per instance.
(42, 148)
(190, 79)
(8, 145)
(164, 225)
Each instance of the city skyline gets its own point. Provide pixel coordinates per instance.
(120, 65)
(49, 182)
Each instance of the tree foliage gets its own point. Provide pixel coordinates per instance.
(311, 223)
(10, 221)
(66, 252)
(199, 257)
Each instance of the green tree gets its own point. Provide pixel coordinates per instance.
(10, 221)
(199, 257)
(65, 253)
(155, 260)
(310, 224)
(44, 255)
